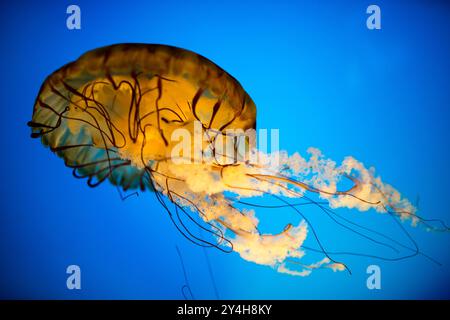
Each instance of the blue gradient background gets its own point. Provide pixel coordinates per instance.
(315, 72)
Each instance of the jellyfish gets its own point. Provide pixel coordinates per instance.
(169, 121)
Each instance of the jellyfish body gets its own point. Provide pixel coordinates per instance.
(113, 115)
(97, 111)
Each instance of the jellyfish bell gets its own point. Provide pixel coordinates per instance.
(112, 99)
(118, 113)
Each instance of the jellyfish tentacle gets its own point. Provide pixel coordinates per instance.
(186, 279)
(331, 212)
(233, 187)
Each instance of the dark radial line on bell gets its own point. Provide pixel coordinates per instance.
(195, 100)
(138, 99)
(181, 110)
(214, 112)
(58, 93)
(158, 119)
(235, 116)
(131, 121)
